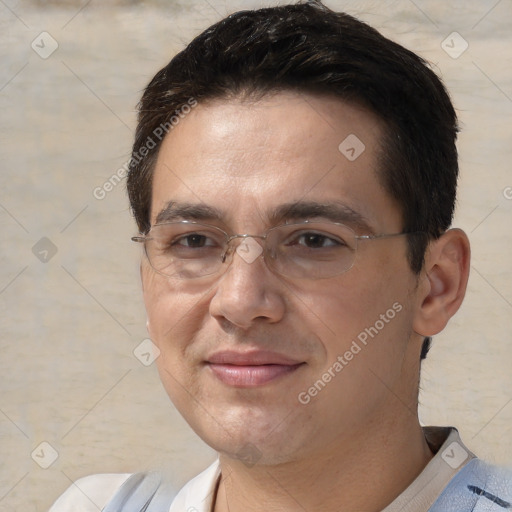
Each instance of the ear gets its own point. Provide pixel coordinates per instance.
(445, 277)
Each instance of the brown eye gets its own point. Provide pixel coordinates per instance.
(312, 240)
(194, 240)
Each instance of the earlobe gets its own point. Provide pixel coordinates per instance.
(446, 273)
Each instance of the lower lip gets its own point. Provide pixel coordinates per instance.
(250, 376)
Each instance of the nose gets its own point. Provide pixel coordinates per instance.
(248, 291)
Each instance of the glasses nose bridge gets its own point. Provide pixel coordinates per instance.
(230, 250)
(230, 238)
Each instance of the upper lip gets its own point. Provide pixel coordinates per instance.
(251, 358)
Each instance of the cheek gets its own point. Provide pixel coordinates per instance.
(174, 319)
(174, 315)
(368, 307)
(363, 329)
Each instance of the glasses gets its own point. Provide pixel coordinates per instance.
(312, 250)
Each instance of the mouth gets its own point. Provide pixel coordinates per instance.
(251, 369)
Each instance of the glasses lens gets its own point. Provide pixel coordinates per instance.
(185, 250)
(311, 250)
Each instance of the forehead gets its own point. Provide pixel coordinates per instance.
(248, 159)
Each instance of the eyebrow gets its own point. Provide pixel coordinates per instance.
(188, 211)
(333, 211)
(295, 211)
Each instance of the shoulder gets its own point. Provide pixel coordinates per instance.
(153, 491)
(477, 486)
(90, 494)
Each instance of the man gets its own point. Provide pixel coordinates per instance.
(293, 180)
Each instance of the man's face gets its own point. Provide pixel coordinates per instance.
(247, 160)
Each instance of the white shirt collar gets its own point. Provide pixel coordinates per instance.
(451, 456)
(198, 493)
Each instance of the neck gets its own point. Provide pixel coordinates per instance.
(365, 472)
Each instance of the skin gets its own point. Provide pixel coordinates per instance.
(361, 432)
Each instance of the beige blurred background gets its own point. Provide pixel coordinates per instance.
(71, 313)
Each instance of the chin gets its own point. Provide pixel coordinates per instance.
(254, 435)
